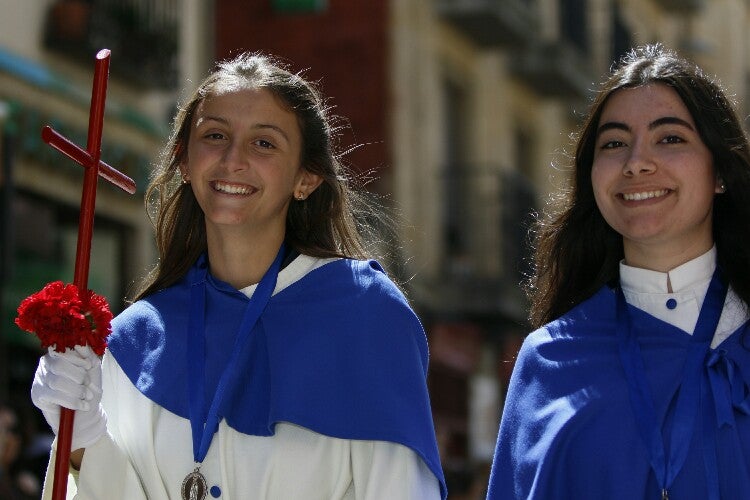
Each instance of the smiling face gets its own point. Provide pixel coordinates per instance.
(653, 177)
(243, 163)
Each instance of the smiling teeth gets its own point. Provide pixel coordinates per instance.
(231, 189)
(644, 196)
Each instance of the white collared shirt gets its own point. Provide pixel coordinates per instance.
(649, 291)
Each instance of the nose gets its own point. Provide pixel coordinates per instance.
(639, 161)
(234, 158)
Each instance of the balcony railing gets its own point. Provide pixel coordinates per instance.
(491, 22)
(681, 5)
(142, 35)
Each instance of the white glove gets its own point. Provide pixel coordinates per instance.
(72, 379)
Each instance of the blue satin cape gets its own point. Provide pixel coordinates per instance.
(339, 352)
(568, 429)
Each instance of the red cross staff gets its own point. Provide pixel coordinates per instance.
(89, 158)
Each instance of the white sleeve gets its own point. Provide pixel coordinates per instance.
(382, 469)
(105, 473)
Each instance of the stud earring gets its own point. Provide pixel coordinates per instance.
(299, 196)
(722, 187)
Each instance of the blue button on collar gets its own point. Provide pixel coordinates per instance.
(671, 304)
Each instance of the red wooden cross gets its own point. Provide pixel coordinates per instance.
(89, 158)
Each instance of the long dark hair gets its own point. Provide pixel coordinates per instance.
(322, 225)
(577, 252)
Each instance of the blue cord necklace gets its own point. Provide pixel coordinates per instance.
(666, 467)
(204, 422)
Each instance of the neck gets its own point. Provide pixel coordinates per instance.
(244, 262)
(663, 260)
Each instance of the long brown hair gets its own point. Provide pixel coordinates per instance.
(322, 225)
(577, 252)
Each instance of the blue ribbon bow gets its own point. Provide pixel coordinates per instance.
(729, 386)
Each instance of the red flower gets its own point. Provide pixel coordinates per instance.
(61, 318)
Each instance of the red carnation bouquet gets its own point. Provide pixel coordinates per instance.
(61, 317)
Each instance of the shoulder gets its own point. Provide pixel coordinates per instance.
(310, 272)
(566, 369)
(585, 333)
(144, 323)
(354, 302)
(356, 272)
(593, 315)
(369, 292)
(141, 316)
(347, 279)
(151, 310)
(142, 311)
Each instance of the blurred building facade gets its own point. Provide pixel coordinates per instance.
(46, 73)
(460, 110)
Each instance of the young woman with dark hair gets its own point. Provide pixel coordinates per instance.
(636, 383)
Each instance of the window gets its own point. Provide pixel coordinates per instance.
(621, 39)
(298, 6)
(573, 25)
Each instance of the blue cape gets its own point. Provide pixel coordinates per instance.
(568, 429)
(339, 352)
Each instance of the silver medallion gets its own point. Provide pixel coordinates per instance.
(194, 486)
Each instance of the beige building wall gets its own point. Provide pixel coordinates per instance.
(425, 52)
(714, 35)
(415, 125)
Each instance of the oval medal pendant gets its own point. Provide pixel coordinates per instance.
(194, 486)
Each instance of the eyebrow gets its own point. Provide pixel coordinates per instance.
(261, 126)
(665, 120)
